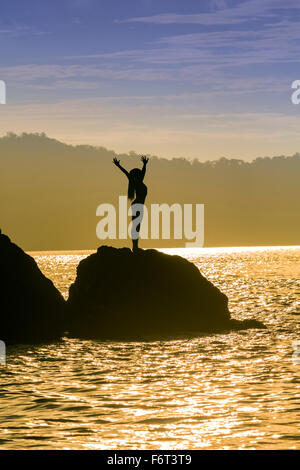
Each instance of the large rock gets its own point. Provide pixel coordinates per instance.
(121, 295)
(31, 308)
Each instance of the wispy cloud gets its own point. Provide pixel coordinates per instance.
(17, 31)
(80, 3)
(32, 72)
(245, 11)
(68, 77)
(198, 58)
(202, 56)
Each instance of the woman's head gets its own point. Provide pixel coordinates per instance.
(135, 177)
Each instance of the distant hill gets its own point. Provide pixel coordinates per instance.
(49, 192)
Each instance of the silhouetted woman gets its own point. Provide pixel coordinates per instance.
(138, 190)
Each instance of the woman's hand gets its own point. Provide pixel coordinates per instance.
(145, 160)
(116, 162)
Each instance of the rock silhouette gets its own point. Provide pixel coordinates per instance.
(117, 294)
(123, 295)
(31, 308)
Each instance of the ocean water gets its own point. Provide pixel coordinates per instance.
(225, 391)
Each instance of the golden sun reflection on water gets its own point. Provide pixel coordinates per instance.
(228, 391)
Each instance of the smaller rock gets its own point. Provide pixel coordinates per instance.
(31, 308)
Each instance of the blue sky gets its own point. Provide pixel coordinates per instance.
(199, 79)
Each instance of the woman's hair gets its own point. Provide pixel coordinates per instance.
(134, 176)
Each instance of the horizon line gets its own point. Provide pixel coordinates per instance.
(208, 248)
(43, 135)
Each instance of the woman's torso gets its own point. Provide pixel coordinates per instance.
(140, 193)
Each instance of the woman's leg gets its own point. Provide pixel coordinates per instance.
(135, 244)
(135, 230)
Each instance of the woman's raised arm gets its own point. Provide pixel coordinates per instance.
(145, 160)
(117, 163)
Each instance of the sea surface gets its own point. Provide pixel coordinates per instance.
(237, 390)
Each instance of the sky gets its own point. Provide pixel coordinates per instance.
(195, 78)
